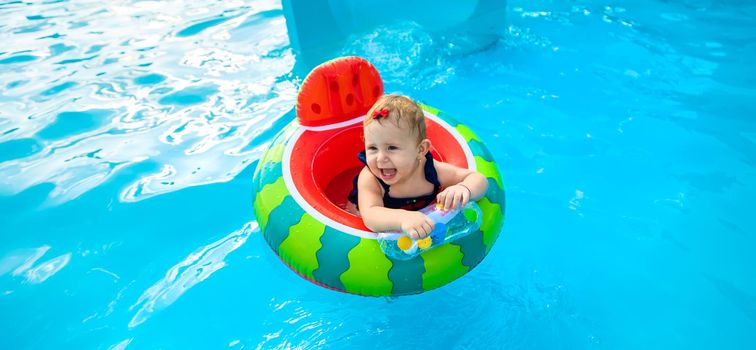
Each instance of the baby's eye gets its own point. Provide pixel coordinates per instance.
(393, 148)
(372, 148)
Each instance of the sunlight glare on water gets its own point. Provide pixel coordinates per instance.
(86, 98)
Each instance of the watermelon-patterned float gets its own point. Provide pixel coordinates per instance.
(303, 179)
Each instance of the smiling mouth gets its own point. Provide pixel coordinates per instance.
(388, 173)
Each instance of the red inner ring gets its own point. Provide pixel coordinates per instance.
(323, 165)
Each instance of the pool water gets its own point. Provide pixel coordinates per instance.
(624, 132)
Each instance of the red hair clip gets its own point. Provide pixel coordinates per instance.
(382, 113)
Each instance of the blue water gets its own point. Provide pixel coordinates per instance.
(624, 132)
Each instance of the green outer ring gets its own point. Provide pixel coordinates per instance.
(351, 264)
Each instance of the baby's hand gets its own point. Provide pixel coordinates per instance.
(416, 224)
(454, 197)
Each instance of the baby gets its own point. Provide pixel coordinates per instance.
(401, 177)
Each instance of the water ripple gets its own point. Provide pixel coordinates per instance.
(47, 269)
(199, 27)
(178, 90)
(196, 268)
(24, 262)
(18, 59)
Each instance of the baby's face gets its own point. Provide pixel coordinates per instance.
(391, 151)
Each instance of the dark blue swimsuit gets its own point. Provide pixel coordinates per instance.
(412, 203)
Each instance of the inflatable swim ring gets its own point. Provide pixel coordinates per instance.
(303, 179)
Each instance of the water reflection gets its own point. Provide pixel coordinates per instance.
(47, 269)
(124, 96)
(196, 268)
(23, 263)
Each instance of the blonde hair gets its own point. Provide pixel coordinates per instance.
(401, 109)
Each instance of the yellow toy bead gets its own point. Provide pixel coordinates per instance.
(404, 243)
(425, 243)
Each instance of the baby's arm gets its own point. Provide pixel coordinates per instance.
(461, 185)
(380, 219)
